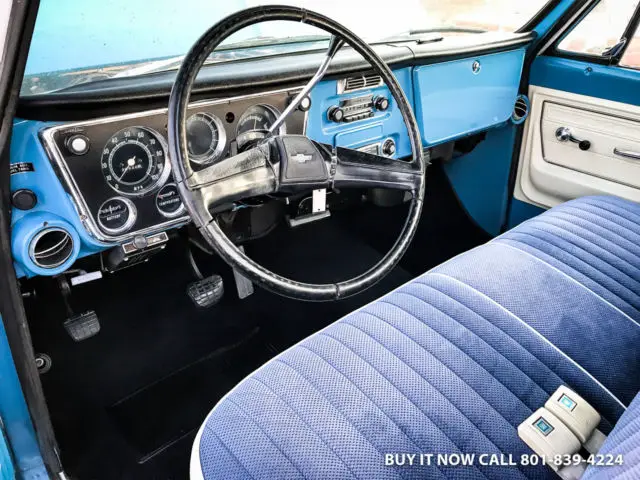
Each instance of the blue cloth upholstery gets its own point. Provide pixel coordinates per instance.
(623, 445)
(452, 362)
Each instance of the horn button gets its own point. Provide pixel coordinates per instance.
(301, 163)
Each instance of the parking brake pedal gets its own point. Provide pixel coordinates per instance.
(207, 292)
(82, 326)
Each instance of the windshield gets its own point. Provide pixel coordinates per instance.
(79, 42)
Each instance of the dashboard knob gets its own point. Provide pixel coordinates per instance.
(305, 104)
(389, 147)
(335, 114)
(24, 199)
(77, 144)
(381, 103)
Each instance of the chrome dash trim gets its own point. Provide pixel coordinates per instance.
(64, 173)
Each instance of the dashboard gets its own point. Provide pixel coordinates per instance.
(104, 185)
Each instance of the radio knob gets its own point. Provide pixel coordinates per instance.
(389, 147)
(335, 114)
(381, 103)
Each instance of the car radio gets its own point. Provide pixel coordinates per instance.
(357, 108)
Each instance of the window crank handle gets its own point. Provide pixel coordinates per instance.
(563, 134)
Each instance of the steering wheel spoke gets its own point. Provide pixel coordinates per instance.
(354, 168)
(247, 174)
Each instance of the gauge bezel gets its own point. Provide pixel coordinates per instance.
(218, 152)
(133, 216)
(243, 138)
(166, 169)
(175, 214)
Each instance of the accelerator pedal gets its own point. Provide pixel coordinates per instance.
(207, 292)
(82, 326)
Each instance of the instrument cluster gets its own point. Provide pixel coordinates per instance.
(118, 172)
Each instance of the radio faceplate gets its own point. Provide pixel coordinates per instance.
(357, 108)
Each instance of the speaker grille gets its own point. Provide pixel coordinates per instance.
(359, 82)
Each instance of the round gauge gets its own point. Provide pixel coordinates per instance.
(206, 138)
(116, 215)
(254, 125)
(134, 161)
(168, 201)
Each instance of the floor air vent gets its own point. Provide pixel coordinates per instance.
(359, 82)
(520, 110)
(51, 248)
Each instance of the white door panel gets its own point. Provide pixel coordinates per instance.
(551, 172)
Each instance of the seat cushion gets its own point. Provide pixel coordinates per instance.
(451, 362)
(621, 449)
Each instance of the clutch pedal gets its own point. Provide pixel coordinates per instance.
(207, 292)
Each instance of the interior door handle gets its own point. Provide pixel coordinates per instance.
(564, 134)
(627, 154)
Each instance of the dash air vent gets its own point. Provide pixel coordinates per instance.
(359, 82)
(520, 110)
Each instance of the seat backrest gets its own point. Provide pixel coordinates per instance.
(623, 444)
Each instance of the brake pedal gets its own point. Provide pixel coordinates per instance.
(82, 326)
(207, 292)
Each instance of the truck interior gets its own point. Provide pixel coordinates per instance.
(311, 240)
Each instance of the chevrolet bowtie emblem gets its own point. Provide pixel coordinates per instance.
(301, 158)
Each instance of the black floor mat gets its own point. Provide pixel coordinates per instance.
(148, 419)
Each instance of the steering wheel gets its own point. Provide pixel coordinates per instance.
(290, 163)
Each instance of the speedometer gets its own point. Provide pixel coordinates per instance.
(134, 161)
(254, 125)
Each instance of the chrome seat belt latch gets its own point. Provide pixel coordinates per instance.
(548, 437)
(576, 413)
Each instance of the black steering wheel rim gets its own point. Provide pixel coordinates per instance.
(179, 155)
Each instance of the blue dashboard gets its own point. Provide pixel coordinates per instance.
(450, 100)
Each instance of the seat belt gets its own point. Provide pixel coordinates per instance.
(558, 431)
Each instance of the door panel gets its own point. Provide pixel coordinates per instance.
(606, 135)
(552, 171)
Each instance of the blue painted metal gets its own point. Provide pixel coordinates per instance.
(453, 101)
(522, 211)
(7, 470)
(27, 228)
(601, 81)
(383, 125)
(54, 206)
(17, 422)
(481, 178)
(544, 26)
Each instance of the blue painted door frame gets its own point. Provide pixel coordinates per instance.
(17, 421)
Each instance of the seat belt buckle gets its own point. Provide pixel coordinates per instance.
(548, 437)
(575, 412)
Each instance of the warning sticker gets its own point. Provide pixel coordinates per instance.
(21, 167)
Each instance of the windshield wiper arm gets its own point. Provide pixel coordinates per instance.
(446, 30)
(267, 41)
(172, 63)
